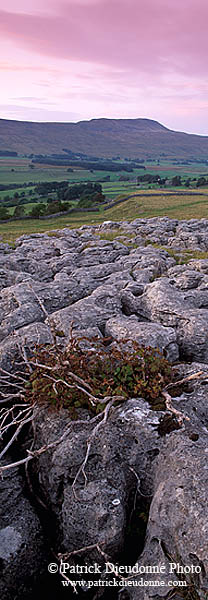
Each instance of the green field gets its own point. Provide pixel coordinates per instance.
(17, 170)
(156, 203)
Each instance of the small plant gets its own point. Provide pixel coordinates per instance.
(73, 377)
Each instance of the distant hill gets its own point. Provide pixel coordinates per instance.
(133, 138)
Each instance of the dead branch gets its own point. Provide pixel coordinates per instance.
(93, 399)
(39, 301)
(8, 381)
(185, 379)
(5, 414)
(72, 583)
(70, 373)
(13, 375)
(22, 350)
(36, 453)
(15, 435)
(62, 557)
(180, 417)
(67, 555)
(8, 397)
(7, 384)
(29, 483)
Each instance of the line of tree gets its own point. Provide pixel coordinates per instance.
(42, 209)
(39, 210)
(77, 191)
(47, 187)
(149, 178)
(8, 153)
(87, 165)
(11, 186)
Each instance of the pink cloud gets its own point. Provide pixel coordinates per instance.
(108, 57)
(144, 36)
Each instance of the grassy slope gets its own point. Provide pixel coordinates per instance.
(180, 207)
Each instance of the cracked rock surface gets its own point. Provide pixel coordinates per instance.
(144, 499)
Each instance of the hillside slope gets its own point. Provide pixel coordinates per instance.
(142, 138)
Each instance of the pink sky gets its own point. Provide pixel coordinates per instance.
(80, 59)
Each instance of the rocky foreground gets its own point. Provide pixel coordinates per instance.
(144, 499)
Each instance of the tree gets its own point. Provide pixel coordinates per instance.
(4, 213)
(85, 201)
(201, 181)
(56, 207)
(19, 211)
(187, 182)
(98, 197)
(37, 211)
(176, 181)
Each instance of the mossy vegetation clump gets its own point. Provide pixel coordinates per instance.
(87, 371)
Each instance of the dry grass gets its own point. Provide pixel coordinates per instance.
(174, 206)
(181, 257)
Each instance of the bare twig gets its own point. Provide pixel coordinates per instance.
(13, 438)
(13, 375)
(22, 349)
(68, 555)
(185, 379)
(9, 414)
(29, 483)
(39, 301)
(45, 448)
(62, 557)
(93, 399)
(180, 417)
(8, 397)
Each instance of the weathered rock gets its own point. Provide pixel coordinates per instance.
(22, 548)
(200, 265)
(148, 262)
(177, 521)
(191, 397)
(192, 335)
(163, 303)
(145, 334)
(121, 455)
(187, 279)
(92, 311)
(102, 252)
(26, 337)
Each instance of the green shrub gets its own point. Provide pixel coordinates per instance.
(126, 370)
